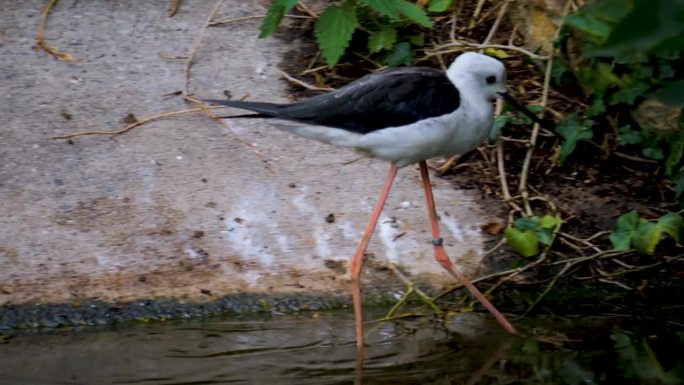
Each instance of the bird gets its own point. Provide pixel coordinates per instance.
(404, 116)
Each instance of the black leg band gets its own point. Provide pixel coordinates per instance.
(437, 242)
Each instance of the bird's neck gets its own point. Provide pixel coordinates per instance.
(469, 89)
(472, 95)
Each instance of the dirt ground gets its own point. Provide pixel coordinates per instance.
(160, 212)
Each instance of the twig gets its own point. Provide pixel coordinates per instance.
(243, 18)
(511, 272)
(252, 146)
(548, 288)
(634, 158)
(40, 36)
(315, 69)
(445, 49)
(198, 42)
(522, 186)
(301, 83)
(476, 12)
(616, 283)
(412, 288)
(495, 26)
(132, 125)
(173, 7)
(305, 8)
(638, 268)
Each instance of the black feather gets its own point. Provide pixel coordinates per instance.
(390, 98)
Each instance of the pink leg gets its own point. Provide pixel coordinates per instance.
(357, 259)
(443, 259)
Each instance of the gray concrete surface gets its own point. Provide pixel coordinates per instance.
(182, 207)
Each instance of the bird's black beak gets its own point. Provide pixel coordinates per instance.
(511, 100)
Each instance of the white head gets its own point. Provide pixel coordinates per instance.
(478, 75)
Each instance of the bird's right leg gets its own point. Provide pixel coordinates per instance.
(443, 259)
(357, 259)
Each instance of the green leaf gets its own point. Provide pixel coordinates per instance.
(596, 19)
(650, 26)
(646, 237)
(274, 15)
(535, 109)
(653, 153)
(417, 40)
(626, 224)
(524, 243)
(621, 240)
(572, 131)
(402, 54)
(627, 136)
(629, 93)
(439, 5)
(597, 105)
(672, 94)
(384, 7)
(414, 13)
(527, 223)
(382, 39)
(549, 221)
(628, 221)
(591, 25)
(545, 236)
(598, 76)
(674, 156)
(679, 182)
(672, 224)
(334, 30)
(499, 123)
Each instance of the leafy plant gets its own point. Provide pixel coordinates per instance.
(638, 360)
(572, 129)
(529, 232)
(632, 231)
(384, 24)
(631, 53)
(514, 117)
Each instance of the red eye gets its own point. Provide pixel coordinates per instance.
(491, 79)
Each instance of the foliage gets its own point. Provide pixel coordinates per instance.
(643, 235)
(631, 51)
(528, 232)
(572, 129)
(639, 361)
(274, 15)
(514, 117)
(384, 24)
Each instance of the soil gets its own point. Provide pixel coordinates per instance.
(598, 183)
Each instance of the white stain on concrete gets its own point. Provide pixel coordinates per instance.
(191, 253)
(388, 232)
(245, 223)
(321, 237)
(453, 227)
(348, 230)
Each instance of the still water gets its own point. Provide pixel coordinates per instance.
(318, 348)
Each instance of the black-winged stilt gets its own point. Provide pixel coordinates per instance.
(402, 115)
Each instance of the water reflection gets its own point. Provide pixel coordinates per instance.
(320, 349)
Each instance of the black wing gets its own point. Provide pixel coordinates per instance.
(393, 97)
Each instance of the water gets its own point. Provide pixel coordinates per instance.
(318, 348)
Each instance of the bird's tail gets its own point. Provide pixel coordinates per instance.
(263, 110)
(323, 134)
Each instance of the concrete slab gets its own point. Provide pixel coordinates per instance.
(182, 207)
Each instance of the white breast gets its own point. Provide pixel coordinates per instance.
(451, 134)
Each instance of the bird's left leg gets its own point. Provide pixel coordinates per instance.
(357, 259)
(443, 259)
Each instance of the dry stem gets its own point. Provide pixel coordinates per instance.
(40, 36)
(198, 43)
